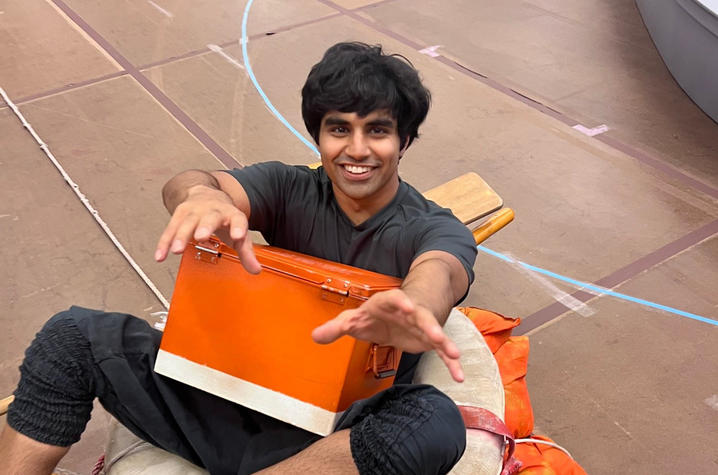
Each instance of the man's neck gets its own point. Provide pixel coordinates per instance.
(360, 210)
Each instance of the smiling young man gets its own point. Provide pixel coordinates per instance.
(363, 108)
(360, 155)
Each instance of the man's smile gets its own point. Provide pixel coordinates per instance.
(356, 172)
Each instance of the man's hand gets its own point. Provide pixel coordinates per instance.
(391, 318)
(204, 212)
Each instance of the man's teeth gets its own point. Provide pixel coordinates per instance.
(356, 170)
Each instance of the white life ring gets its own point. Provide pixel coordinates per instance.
(481, 388)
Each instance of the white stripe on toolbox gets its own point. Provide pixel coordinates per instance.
(275, 404)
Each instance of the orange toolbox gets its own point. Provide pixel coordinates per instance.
(247, 338)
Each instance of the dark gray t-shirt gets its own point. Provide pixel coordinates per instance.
(294, 208)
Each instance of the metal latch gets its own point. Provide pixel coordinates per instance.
(333, 293)
(382, 361)
(206, 254)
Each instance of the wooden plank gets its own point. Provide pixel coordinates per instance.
(469, 197)
(5, 403)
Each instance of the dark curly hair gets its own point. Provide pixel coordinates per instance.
(356, 77)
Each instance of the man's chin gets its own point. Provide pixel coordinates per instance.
(357, 191)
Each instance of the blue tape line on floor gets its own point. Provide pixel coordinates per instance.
(598, 289)
(594, 288)
(248, 67)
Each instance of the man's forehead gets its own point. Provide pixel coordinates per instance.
(380, 114)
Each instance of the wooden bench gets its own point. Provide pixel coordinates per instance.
(471, 199)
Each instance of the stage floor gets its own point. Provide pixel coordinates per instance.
(565, 108)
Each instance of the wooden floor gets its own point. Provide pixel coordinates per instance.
(564, 108)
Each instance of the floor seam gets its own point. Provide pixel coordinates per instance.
(621, 276)
(539, 105)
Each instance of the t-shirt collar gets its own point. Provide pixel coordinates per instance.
(378, 216)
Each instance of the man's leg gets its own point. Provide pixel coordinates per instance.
(407, 429)
(21, 455)
(43, 421)
(81, 354)
(329, 456)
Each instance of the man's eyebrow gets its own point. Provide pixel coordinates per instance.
(335, 121)
(382, 123)
(378, 122)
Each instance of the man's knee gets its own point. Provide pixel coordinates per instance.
(54, 397)
(420, 431)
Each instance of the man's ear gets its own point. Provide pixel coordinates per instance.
(407, 141)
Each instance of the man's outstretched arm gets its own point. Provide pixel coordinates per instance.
(409, 318)
(205, 203)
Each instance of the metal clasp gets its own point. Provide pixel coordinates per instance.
(382, 361)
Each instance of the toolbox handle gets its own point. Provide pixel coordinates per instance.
(383, 361)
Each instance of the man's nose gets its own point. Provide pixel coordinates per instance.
(358, 147)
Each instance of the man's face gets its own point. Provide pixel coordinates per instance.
(361, 156)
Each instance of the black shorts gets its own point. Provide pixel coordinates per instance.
(211, 432)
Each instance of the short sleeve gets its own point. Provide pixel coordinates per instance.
(266, 185)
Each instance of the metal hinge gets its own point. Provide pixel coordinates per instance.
(206, 254)
(335, 294)
(328, 285)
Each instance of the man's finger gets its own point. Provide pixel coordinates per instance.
(426, 321)
(247, 258)
(334, 328)
(184, 233)
(454, 366)
(207, 225)
(165, 240)
(440, 341)
(395, 300)
(238, 226)
(242, 243)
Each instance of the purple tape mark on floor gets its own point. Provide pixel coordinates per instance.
(612, 142)
(222, 155)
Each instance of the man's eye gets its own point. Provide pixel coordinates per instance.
(339, 130)
(378, 131)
